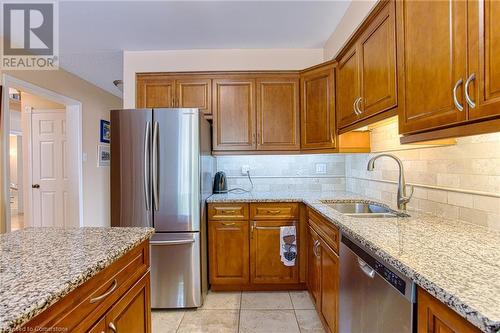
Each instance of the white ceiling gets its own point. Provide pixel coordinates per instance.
(94, 34)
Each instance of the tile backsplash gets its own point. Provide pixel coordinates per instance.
(459, 181)
(286, 172)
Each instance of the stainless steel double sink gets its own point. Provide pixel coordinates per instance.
(362, 209)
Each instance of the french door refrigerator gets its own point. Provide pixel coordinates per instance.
(161, 174)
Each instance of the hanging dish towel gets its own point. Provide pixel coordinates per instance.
(288, 245)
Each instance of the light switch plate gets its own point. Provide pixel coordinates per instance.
(320, 168)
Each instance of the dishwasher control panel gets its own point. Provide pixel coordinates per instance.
(390, 277)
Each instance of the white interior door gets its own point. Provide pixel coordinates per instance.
(49, 168)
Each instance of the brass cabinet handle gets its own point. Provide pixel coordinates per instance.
(112, 327)
(274, 212)
(228, 224)
(455, 100)
(469, 100)
(228, 211)
(106, 294)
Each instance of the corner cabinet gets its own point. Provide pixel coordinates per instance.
(449, 80)
(366, 72)
(435, 317)
(324, 269)
(244, 246)
(317, 88)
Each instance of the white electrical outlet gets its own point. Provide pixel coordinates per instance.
(245, 169)
(320, 168)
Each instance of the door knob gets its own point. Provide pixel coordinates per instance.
(35, 186)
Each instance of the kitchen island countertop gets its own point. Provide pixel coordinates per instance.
(456, 262)
(39, 266)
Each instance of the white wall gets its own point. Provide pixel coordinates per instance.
(211, 60)
(355, 14)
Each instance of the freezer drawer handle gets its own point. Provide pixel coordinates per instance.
(106, 294)
(174, 242)
(370, 272)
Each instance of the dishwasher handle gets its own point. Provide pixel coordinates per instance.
(370, 272)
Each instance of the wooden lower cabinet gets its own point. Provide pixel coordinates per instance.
(314, 266)
(117, 299)
(435, 317)
(228, 252)
(265, 260)
(330, 281)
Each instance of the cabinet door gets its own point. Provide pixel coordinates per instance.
(278, 114)
(329, 286)
(194, 93)
(318, 109)
(132, 313)
(265, 261)
(435, 317)
(484, 62)
(154, 92)
(228, 252)
(348, 87)
(314, 266)
(234, 114)
(99, 327)
(432, 60)
(378, 64)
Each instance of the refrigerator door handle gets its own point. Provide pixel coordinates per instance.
(147, 166)
(155, 168)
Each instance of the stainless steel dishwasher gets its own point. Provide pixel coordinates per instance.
(374, 297)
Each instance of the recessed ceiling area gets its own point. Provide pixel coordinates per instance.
(93, 34)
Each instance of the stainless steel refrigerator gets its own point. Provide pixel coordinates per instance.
(161, 174)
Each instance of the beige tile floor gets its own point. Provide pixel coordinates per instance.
(245, 312)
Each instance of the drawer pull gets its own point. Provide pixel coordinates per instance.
(228, 211)
(112, 327)
(106, 294)
(274, 212)
(228, 224)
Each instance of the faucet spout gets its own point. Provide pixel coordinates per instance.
(403, 199)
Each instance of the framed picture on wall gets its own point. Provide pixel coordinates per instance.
(103, 155)
(105, 131)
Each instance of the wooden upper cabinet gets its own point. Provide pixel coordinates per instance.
(278, 113)
(378, 64)
(432, 58)
(435, 317)
(348, 87)
(194, 92)
(318, 108)
(484, 60)
(233, 114)
(154, 92)
(265, 260)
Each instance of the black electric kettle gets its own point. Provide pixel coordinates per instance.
(220, 182)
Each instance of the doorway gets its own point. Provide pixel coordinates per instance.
(43, 131)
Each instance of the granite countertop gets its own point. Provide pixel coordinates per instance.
(40, 266)
(454, 261)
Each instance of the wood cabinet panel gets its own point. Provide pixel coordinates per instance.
(274, 211)
(194, 93)
(431, 60)
(278, 113)
(229, 252)
(100, 327)
(234, 114)
(325, 229)
(348, 83)
(155, 92)
(314, 266)
(329, 286)
(484, 62)
(378, 64)
(228, 211)
(265, 261)
(318, 108)
(435, 317)
(131, 314)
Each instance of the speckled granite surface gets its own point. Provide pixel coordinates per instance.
(457, 262)
(40, 266)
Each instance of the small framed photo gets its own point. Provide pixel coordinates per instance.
(105, 131)
(103, 155)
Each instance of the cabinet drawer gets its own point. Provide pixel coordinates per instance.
(94, 297)
(274, 211)
(325, 229)
(228, 211)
